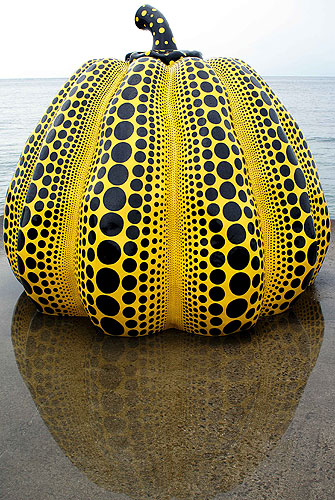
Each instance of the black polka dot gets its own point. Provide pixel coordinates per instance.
(238, 258)
(111, 326)
(121, 152)
(291, 156)
(236, 234)
(300, 178)
(107, 305)
(129, 93)
(236, 308)
(239, 283)
(304, 203)
(309, 227)
(117, 174)
(214, 117)
(108, 252)
(225, 170)
(114, 199)
(217, 293)
(232, 211)
(233, 326)
(217, 276)
(227, 190)
(218, 133)
(111, 224)
(126, 111)
(217, 259)
(221, 150)
(123, 130)
(107, 280)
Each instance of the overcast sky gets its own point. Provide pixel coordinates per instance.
(41, 38)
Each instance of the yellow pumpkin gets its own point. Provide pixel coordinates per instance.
(166, 191)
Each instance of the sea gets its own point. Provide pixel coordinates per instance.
(311, 100)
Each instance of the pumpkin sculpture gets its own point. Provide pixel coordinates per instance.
(166, 191)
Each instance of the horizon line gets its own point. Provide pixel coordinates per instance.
(67, 77)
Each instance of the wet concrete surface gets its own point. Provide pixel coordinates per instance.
(173, 417)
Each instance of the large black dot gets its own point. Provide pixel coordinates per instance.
(129, 282)
(38, 172)
(20, 240)
(114, 198)
(236, 234)
(218, 133)
(304, 202)
(126, 111)
(291, 155)
(215, 225)
(217, 293)
(214, 117)
(309, 227)
(217, 276)
(215, 309)
(32, 191)
(232, 211)
(135, 200)
(130, 248)
(300, 178)
(107, 280)
(44, 153)
(239, 283)
(233, 326)
(210, 101)
(217, 259)
(307, 279)
(20, 265)
(107, 305)
(312, 253)
(221, 150)
(108, 252)
(217, 241)
(227, 190)
(117, 174)
(111, 224)
(236, 308)
(112, 326)
(123, 130)
(134, 79)
(225, 170)
(238, 258)
(121, 152)
(129, 93)
(25, 216)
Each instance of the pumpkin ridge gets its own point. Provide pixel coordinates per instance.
(58, 178)
(17, 190)
(124, 210)
(278, 183)
(315, 193)
(221, 274)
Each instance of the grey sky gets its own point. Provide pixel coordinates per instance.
(42, 38)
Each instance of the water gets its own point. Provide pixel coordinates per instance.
(311, 100)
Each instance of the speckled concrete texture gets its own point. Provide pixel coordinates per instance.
(172, 417)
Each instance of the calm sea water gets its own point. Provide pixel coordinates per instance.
(311, 100)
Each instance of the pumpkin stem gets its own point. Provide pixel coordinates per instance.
(149, 18)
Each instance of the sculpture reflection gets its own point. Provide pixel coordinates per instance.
(170, 415)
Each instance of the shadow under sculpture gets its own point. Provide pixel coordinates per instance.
(168, 415)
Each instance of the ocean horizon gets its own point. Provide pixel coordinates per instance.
(310, 99)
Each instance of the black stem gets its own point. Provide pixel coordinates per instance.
(149, 18)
